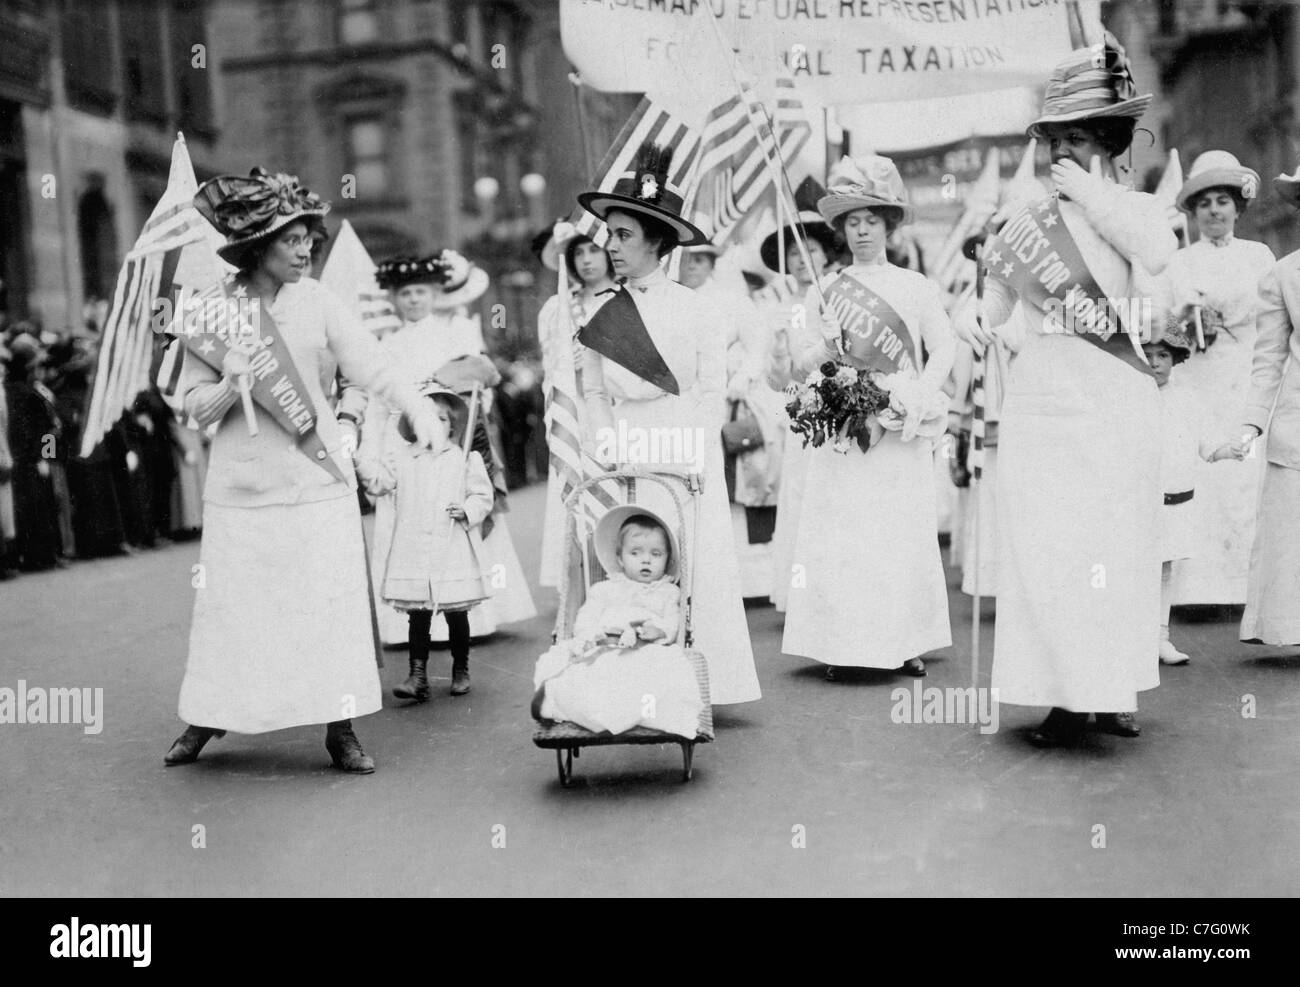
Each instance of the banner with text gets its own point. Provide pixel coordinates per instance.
(841, 51)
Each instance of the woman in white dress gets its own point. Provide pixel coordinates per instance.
(665, 375)
(757, 472)
(429, 294)
(588, 274)
(1218, 278)
(869, 590)
(281, 635)
(794, 332)
(1272, 613)
(1078, 457)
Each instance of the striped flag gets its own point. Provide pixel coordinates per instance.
(651, 123)
(738, 138)
(350, 273)
(152, 267)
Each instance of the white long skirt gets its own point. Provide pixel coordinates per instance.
(868, 588)
(1273, 604)
(983, 490)
(1078, 491)
(1227, 496)
(789, 501)
(718, 611)
(754, 559)
(281, 633)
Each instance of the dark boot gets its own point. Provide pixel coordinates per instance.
(1119, 724)
(416, 685)
(1062, 728)
(458, 635)
(185, 749)
(345, 750)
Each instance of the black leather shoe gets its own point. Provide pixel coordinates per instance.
(416, 685)
(914, 667)
(1062, 728)
(460, 678)
(185, 749)
(345, 750)
(1119, 724)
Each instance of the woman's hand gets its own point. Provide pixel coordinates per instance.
(1076, 184)
(457, 512)
(236, 363)
(971, 331)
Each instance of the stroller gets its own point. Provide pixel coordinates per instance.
(565, 738)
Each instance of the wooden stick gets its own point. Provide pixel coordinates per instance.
(246, 397)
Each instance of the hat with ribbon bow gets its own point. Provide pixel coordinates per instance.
(1218, 169)
(1090, 83)
(871, 181)
(245, 210)
(458, 280)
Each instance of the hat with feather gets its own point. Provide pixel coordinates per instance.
(646, 190)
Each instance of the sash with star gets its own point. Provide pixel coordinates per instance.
(617, 332)
(875, 336)
(221, 318)
(1036, 256)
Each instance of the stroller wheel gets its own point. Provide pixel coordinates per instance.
(564, 763)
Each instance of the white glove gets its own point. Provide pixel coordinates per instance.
(628, 638)
(969, 330)
(1077, 185)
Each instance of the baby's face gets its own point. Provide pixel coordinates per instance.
(643, 554)
(1162, 362)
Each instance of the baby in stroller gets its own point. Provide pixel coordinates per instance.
(623, 666)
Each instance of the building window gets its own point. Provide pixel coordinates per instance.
(87, 65)
(97, 239)
(506, 25)
(142, 49)
(367, 154)
(358, 22)
(193, 95)
(458, 14)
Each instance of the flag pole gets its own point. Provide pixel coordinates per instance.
(776, 170)
(976, 477)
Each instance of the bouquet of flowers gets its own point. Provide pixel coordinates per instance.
(839, 404)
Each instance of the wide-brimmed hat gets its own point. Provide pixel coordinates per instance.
(1090, 83)
(559, 239)
(810, 225)
(458, 281)
(245, 210)
(1177, 340)
(1218, 169)
(645, 190)
(871, 181)
(433, 388)
(605, 538)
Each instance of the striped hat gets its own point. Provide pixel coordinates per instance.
(645, 190)
(1090, 83)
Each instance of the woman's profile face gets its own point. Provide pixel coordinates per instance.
(1078, 144)
(795, 266)
(631, 253)
(414, 301)
(591, 263)
(1216, 213)
(866, 232)
(288, 259)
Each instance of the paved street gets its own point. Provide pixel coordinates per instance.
(813, 790)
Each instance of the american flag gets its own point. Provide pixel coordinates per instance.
(651, 123)
(739, 137)
(350, 274)
(151, 269)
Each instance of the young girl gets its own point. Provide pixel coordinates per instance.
(623, 668)
(434, 564)
(1184, 436)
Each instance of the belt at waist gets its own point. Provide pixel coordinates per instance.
(1178, 498)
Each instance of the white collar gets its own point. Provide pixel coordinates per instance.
(657, 276)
